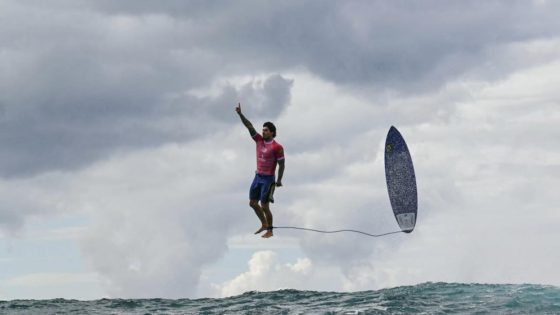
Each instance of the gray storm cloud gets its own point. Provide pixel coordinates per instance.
(82, 83)
(396, 44)
(85, 90)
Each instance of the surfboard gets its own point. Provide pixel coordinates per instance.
(401, 180)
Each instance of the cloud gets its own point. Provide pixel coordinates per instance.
(98, 77)
(114, 83)
(161, 215)
(267, 273)
(60, 140)
(42, 195)
(386, 44)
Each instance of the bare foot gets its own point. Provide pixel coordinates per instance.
(263, 228)
(268, 234)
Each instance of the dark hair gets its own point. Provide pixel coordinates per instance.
(270, 127)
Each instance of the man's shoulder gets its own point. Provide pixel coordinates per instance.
(277, 144)
(278, 148)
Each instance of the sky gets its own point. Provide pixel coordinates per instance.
(124, 169)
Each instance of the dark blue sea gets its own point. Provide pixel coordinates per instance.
(427, 298)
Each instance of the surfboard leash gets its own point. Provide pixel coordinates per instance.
(337, 231)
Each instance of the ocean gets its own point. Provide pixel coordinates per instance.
(427, 298)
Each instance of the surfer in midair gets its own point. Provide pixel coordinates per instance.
(269, 153)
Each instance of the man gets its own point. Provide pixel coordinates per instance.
(269, 153)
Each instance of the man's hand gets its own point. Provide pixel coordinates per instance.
(238, 108)
(279, 183)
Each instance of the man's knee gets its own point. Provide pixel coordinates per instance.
(253, 203)
(264, 205)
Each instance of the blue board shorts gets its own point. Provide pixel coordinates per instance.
(262, 188)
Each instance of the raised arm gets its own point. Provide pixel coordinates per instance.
(245, 121)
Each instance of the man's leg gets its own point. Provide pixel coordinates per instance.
(260, 213)
(265, 206)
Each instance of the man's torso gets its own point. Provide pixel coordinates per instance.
(268, 154)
